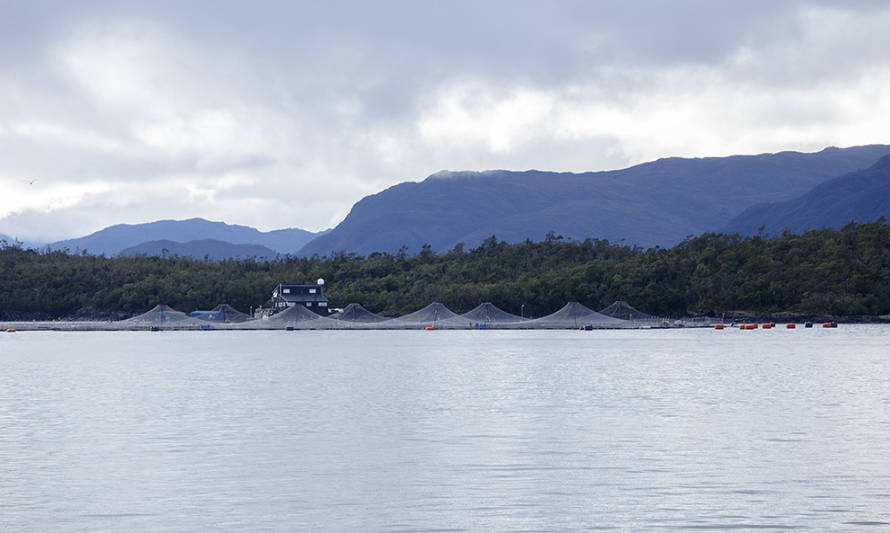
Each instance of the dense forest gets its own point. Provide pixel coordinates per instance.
(837, 272)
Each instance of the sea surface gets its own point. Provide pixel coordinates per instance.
(661, 430)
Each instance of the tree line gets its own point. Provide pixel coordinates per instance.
(828, 271)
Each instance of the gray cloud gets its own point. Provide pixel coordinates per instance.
(286, 113)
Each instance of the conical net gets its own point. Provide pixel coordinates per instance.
(161, 315)
(227, 313)
(488, 315)
(357, 313)
(295, 316)
(625, 311)
(433, 315)
(572, 316)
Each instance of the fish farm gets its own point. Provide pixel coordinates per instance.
(434, 316)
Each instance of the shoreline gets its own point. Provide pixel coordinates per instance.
(88, 326)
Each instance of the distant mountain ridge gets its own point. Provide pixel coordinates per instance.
(211, 249)
(113, 239)
(861, 196)
(656, 203)
(11, 241)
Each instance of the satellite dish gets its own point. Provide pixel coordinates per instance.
(320, 281)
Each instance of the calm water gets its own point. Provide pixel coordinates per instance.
(446, 430)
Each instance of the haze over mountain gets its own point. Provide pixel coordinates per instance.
(212, 249)
(113, 239)
(861, 196)
(13, 240)
(656, 203)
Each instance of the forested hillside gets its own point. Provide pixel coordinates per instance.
(843, 272)
(212, 249)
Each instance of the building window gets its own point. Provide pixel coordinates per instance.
(285, 291)
(308, 304)
(311, 291)
(322, 304)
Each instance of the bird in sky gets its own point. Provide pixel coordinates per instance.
(30, 182)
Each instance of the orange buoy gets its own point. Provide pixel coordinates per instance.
(10, 330)
(429, 328)
(767, 326)
(791, 326)
(718, 326)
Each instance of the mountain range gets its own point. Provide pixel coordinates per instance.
(12, 240)
(211, 249)
(113, 239)
(653, 204)
(656, 203)
(861, 196)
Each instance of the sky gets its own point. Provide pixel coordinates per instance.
(284, 114)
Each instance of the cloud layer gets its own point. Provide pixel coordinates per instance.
(285, 114)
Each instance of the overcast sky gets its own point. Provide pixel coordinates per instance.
(284, 114)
